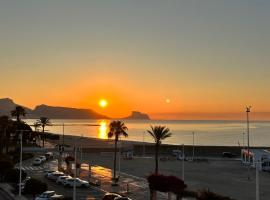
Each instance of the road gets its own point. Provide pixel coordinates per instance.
(37, 172)
(4, 195)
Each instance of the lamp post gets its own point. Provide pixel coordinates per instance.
(75, 174)
(143, 145)
(257, 181)
(248, 111)
(183, 162)
(193, 149)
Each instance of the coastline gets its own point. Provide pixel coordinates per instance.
(96, 145)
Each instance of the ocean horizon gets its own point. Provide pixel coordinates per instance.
(206, 132)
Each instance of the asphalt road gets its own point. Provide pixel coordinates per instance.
(37, 172)
(4, 195)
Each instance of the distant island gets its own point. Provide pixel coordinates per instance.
(138, 115)
(58, 112)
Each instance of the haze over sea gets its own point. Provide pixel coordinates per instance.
(227, 133)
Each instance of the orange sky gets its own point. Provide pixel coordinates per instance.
(137, 55)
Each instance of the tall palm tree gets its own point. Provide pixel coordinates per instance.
(43, 121)
(117, 128)
(18, 112)
(159, 133)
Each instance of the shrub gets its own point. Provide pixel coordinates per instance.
(208, 195)
(13, 176)
(34, 187)
(163, 183)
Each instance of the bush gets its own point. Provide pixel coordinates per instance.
(207, 195)
(34, 187)
(13, 176)
(166, 184)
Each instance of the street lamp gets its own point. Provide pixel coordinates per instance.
(248, 111)
(20, 176)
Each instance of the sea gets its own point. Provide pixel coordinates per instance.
(188, 132)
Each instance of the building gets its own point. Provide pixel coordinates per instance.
(260, 156)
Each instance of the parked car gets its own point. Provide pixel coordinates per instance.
(61, 179)
(122, 198)
(37, 162)
(111, 196)
(49, 155)
(69, 182)
(42, 158)
(48, 195)
(47, 172)
(54, 175)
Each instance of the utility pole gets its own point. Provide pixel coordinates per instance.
(248, 111)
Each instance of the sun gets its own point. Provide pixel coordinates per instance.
(103, 103)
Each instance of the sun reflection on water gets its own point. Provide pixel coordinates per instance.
(102, 131)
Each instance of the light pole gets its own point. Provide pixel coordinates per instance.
(63, 136)
(248, 111)
(143, 145)
(193, 149)
(75, 174)
(183, 162)
(243, 139)
(257, 181)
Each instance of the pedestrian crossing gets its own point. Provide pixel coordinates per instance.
(31, 168)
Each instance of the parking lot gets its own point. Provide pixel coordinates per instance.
(37, 172)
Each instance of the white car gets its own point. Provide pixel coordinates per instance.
(42, 158)
(61, 179)
(54, 175)
(69, 182)
(49, 195)
(37, 162)
(47, 172)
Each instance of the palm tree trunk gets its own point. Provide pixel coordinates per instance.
(43, 136)
(114, 163)
(156, 157)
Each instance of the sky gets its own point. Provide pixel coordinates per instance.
(164, 58)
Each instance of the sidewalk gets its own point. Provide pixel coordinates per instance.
(7, 190)
(134, 187)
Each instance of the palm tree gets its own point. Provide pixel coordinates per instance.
(18, 112)
(43, 121)
(159, 133)
(117, 128)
